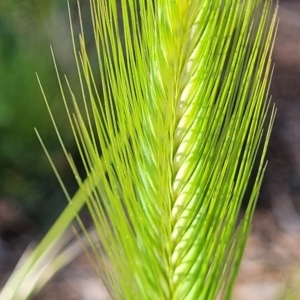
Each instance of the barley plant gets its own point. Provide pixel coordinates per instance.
(170, 124)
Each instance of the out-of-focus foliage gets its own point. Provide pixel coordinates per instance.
(26, 30)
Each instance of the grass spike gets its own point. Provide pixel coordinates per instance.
(169, 136)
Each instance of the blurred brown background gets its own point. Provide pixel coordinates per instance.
(271, 265)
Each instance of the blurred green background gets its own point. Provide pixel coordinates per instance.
(27, 28)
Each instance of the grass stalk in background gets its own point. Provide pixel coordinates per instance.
(169, 143)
